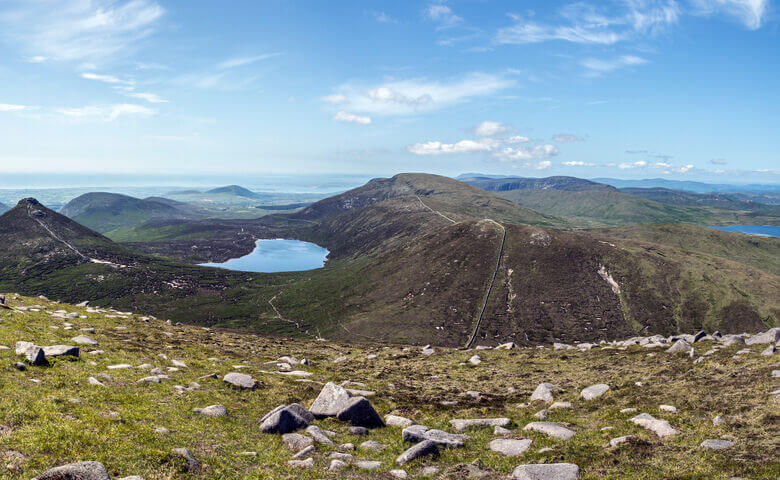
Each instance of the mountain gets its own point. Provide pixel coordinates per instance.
(732, 201)
(4, 208)
(572, 184)
(697, 187)
(414, 259)
(233, 190)
(109, 213)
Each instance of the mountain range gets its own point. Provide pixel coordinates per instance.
(414, 258)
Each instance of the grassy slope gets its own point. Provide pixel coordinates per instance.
(611, 208)
(61, 419)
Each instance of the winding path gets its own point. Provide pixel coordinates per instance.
(435, 211)
(490, 287)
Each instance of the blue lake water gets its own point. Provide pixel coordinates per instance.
(277, 256)
(768, 230)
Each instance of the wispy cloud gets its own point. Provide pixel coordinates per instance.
(489, 129)
(718, 161)
(510, 149)
(78, 30)
(567, 138)
(7, 107)
(417, 95)
(750, 13)
(442, 15)
(578, 164)
(149, 97)
(242, 61)
(106, 78)
(596, 67)
(382, 17)
(105, 112)
(351, 118)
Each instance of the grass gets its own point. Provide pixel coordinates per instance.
(62, 419)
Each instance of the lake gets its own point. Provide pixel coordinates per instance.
(767, 230)
(277, 256)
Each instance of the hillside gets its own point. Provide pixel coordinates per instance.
(689, 186)
(133, 396)
(233, 190)
(4, 208)
(110, 213)
(730, 201)
(571, 184)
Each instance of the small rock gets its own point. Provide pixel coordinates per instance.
(359, 412)
(284, 419)
(475, 360)
(717, 444)
(510, 447)
(308, 463)
(240, 380)
(20, 366)
(422, 449)
(192, 464)
(680, 346)
(336, 465)
(212, 411)
(296, 441)
(551, 429)
(668, 408)
(368, 464)
(372, 445)
(662, 428)
(396, 421)
(419, 433)
(318, 435)
(769, 351)
(594, 391)
(560, 405)
(718, 421)
(305, 452)
(94, 381)
(76, 471)
(83, 340)
(621, 440)
(358, 430)
(546, 471)
(331, 400)
(400, 474)
(501, 431)
(544, 392)
(462, 424)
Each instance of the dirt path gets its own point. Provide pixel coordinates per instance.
(490, 287)
(435, 211)
(54, 235)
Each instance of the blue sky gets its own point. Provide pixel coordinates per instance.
(683, 89)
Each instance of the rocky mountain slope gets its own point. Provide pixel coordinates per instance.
(140, 397)
(732, 201)
(562, 183)
(4, 208)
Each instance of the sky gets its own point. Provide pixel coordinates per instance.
(680, 89)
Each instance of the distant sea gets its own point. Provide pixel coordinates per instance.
(766, 230)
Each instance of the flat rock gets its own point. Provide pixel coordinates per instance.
(336, 465)
(621, 440)
(296, 441)
(331, 400)
(372, 445)
(552, 429)
(717, 444)
(662, 428)
(306, 452)
(359, 412)
(560, 405)
(308, 463)
(368, 464)
(463, 424)
(193, 465)
(83, 340)
(546, 471)
(283, 420)
(594, 391)
(422, 449)
(420, 433)
(76, 471)
(680, 346)
(240, 380)
(770, 336)
(509, 446)
(61, 350)
(212, 411)
(396, 421)
(544, 392)
(35, 356)
(318, 435)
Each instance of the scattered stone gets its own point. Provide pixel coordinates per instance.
(419, 433)
(501, 431)
(510, 447)
(422, 449)
(358, 430)
(462, 424)
(178, 364)
(308, 463)
(541, 414)
(20, 366)
(621, 440)
(61, 351)
(341, 456)
(718, 421)
(662, 428)
(475, 360)
(770, 336)
(212, 411)
(192, 464)
(594, 391)
(77, 471)
(396, 421)
(552, 429)
(400, 474)
(428, 471)
(121, 366)
(83, 340)
(560, 405)
(717, 444)
(296, 441)
(544, 392)
(359, 412)
(546, 471)
(336, 465)
(680, 346)
(240, 380)
(769, 351)
(161, 430)
(331, 400)
(94, 381)
(284, 420)
(628, 410)
(372, 445)
(318, 435)
(668, 408)
(306, 452)
(368, 464)
(152, 379)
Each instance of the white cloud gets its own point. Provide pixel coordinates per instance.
(106, 79)
(5, 107)
(516, 139)
(463, 146)
(351, 118)
(443, 15)
(74, 30)
(402, 97)
(489, 129)
(532, 152)
(718, 161)
(625, 166)
(383, 17)
(242, 61)
(106, 112)
(750, 13)
(567, 138)
(596, 67)
(35, 59)
(578, 164)
(585, 23)
(149, 97)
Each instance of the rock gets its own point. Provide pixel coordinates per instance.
(769, 351)
(422, 449)
(717, 444)
(718, 421)
(308, 463)
(121, 366)
(359, 412)
(462, 424)
(152, 379)
(680, 346)
(331, 400)
(552, 429)
(76, 471)
(770, 336)
(83, 340)
(296, 441)
(699, 336)
(728, 340)
(94, 381)
(668, 408)
(501, 431)
(347, 447)
(541, 414)
(628, 410)
(21, 347)
(506, 346)
(283, 420)
(305, 452)
(509, 446)
(161, 430)
(429, 471)
(621, 440)
(336, 465)
(341, 456)
(546, 471)
(419, 433)
(594, 391)
(193, 465)
(358, 430)
(240, 380)
(662, 428)
(318, 435)
(20, 366)
(475, 360)
(61, 351)
(396, 421)
(35, 356)
(372, 445)
(212, 411)
(560, 405)
(544, 392)
(400, 474)
(368, 464)
(178, 364)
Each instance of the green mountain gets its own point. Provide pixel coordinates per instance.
(233, 190)
(111, 213)
(572, 184)
(732, 201)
